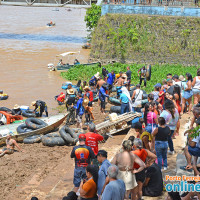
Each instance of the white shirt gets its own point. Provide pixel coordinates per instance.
(197, 140)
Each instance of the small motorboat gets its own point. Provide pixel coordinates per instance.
(51, 24)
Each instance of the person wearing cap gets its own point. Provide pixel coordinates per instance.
(137, 98)
(40, 107)
(114, 188)
(93, 138)
(16, 110)
(102, 97)
(142, 75)
(87, 103)
(10, 146)
(83, 155)
(110, 80)
(102, 174)
(70, 102)
(157, 88)
(144, 155)
(60, 98)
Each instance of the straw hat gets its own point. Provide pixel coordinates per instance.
(85, 101)
(33, 103)
(181, 78)
(86, 88)
(16, 107)
(70, 91)
(96, 75)
(124, 76)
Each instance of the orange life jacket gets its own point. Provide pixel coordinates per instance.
(11, 118)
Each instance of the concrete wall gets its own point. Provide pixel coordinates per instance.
(150, 10)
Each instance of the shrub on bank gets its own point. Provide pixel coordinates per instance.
(159, 72)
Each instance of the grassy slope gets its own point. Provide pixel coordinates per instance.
(147, 39)
(158, 72)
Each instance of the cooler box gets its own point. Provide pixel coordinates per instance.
(24, 108)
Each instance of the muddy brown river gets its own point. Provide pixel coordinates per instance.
(27, 45)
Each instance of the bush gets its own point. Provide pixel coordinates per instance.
(92, 16)
(159, 72)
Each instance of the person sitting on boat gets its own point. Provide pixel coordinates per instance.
(76, 62)
(60, 63)
(16, 110)
(40, 107)
(10, 146)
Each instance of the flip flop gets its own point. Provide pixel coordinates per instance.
(184, 168)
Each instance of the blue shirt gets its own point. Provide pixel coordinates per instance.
(124, 98)
(111, 78)
(115, 190)
(102, 94)
(102, 175)
(79, 107)
(93, 80)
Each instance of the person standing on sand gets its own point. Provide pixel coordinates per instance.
(102, 97)
(82, 154)
(125, 161)
(10, 146)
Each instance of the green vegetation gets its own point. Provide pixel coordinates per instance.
(92, 16)
(146, 39)
(194, 132)
(159, 72)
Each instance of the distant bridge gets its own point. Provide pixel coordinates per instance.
(49, 3)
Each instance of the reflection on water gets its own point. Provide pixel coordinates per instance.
(27, 46)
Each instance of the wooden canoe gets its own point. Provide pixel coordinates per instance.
(53, 123)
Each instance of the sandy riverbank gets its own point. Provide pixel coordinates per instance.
(24, 174)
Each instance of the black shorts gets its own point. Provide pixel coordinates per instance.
(103, 104)
(109, 87)
(140, 176)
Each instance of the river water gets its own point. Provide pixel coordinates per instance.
(27, 45)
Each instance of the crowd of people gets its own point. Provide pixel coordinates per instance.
(137, 170)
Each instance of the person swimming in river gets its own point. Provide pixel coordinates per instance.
(10, 146)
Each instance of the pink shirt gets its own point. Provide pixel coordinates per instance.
(151, 115)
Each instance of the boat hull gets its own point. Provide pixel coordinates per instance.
(53, 123)
(66, 67)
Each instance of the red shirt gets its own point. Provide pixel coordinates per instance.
(162, 97)
(92, 141)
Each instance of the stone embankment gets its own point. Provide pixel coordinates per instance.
(146, 39)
